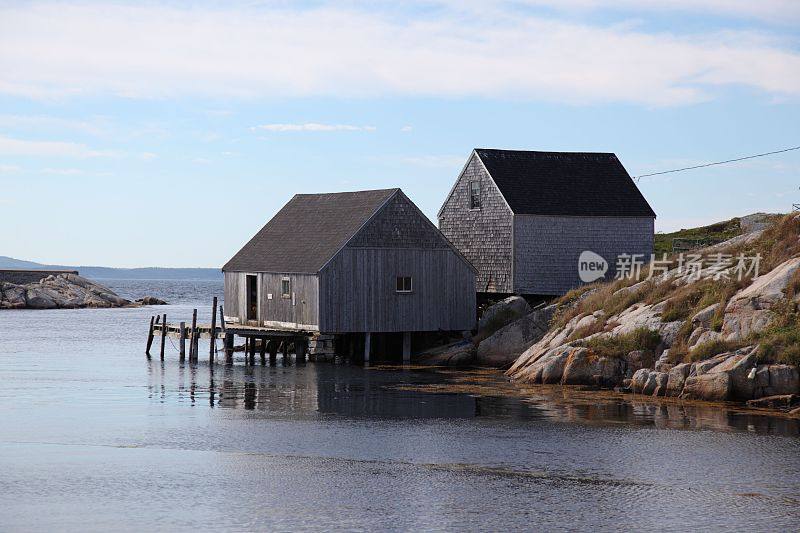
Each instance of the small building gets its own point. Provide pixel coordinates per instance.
(524, 218)
(352, 262)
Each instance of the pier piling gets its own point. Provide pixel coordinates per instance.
(183, 341)
(150, 336)
(163, 335)
(193, 341)
(213, 330)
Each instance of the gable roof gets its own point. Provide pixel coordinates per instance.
(308, 231)
(564, 183)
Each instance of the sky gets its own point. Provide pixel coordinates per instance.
(168, 133)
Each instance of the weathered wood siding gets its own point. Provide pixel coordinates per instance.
(482, 235)
(303, 309)
(357, 291)
(546, 248)
(358, 286)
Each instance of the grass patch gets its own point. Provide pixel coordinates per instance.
(708, 349)
(780, 342)
(621, 345)
(721, 231)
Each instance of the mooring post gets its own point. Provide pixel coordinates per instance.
(222, 318)
(149, 336)
(213, 330)
(182, 345)
(193, 341)
(406, 347)
(367, 342)
(228, 348)
(163, 334)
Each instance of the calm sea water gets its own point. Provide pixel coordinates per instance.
(94, 437)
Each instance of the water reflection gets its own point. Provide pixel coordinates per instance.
(318, 390)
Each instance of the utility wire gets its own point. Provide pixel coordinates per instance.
(637, 178)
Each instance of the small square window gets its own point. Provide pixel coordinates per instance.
(404, 284)
(474, 195)
(286, 288)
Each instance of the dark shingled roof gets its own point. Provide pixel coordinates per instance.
(308, 231)
(564, 183)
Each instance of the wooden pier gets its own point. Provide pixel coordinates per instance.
(267, 340)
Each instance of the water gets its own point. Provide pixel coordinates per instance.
(94, 437)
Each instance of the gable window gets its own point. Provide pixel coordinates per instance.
(286, 287)
(404, 284)
(474, 195)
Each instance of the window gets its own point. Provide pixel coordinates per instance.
(403, 284)
(474, 195)
(286, 288)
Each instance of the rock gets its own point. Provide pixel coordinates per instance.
(638, 359)
(783, 379)
(705, 366)
(795, 412)
(738, 365)
(748, 310)
(713, 387)
(703, 318)
(656, 384)
(663, 364)
(150, 300)
(585, 368)
(38, 299)
(677, 378)
(639, 379)
(775, 402)
(460, 353)
(501, 314)
(509, 342)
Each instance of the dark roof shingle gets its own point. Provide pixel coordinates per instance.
(307, 232)
(564, 183)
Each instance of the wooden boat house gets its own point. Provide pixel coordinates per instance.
(524, 219)
(363, 263)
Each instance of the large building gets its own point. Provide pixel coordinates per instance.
(524, 218)
(353, 262)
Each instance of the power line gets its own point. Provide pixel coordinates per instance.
(717, 163)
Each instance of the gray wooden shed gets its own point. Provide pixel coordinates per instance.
(523, 218)
(351, 262)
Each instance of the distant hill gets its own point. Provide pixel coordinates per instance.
(98, 272)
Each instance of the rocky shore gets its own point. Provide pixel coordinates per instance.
(702, 334)
(65, 291)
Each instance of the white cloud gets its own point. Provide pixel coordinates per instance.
(96, 126)
(155, 51)
(406, 129)
(311, 126)
(9, 168)
(64, 171)
(19, 147)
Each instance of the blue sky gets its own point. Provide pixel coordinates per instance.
(168, 133)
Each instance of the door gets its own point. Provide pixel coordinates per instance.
(252, 298)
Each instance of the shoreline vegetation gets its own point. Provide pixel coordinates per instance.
(690, 335)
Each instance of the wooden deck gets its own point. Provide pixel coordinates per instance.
(204, 331)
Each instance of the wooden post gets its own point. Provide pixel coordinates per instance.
(228, 348)
(193, 341)
(182, 344)
(367, 341)
(252, 350)
(263, 351)
(272, 345)
(406, 347)
(221, 318)
(163, 335)
(213, 330)
(150, 336)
